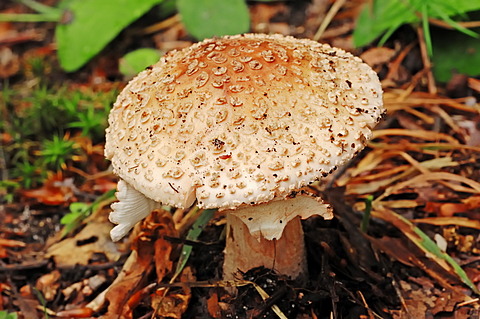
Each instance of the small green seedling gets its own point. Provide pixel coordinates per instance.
(56, 152)
(7, 191)
(366, 215)
(29, 175)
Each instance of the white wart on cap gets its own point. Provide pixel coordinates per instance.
(241, 120)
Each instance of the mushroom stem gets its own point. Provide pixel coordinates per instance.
(270, 235)
(243, 251)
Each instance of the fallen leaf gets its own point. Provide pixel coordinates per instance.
(94, 238)
(140, 263)
(425, 301)
(48, 285)
(55, 191)
(429, 248)
(173, 304)
(27, 302)
(213, 306)
(445, 209)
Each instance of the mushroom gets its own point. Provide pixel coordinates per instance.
(241, 123)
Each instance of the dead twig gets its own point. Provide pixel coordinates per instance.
(328, 18)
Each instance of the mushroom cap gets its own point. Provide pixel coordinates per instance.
(241, 119)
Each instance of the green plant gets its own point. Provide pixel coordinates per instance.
(57, 151)
(46, 112)
(8, 315)
(29, 175)
(455, 53)
(36, 118)
(208, 18)
(90, 113)
(383, 17)
(80, 211)
(7, 190)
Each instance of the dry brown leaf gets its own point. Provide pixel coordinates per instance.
(27, 302)
(262, 13)
(173, 304)
(55, 191)
(213, 306)
(445, 209)
(472, 201)
(48, 285)
(92, 239)
(134, 271)
(438, 268)
(427, 301)
(121, 295)
(395, 248)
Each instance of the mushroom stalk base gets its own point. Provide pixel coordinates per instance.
(270, 235)
(243, 251)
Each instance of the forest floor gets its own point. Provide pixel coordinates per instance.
(416, 255)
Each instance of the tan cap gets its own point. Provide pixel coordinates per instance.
(241, 120)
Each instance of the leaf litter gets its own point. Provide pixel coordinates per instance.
(418, 257)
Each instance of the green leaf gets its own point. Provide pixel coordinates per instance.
(433, 252)
(455, 53)
(430, 246)
(80, 211)
(76, 211)
(91, 24)
(5, 315)
(209, 18)
(383, 15)
(387, 15)
(193, 234)
(426, 30)
(134, 62)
